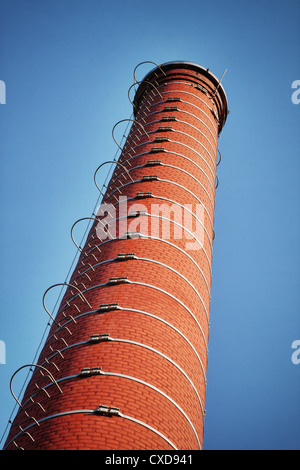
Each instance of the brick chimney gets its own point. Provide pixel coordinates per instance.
(124, 364)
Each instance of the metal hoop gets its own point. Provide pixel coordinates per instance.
(109, 161)
(217, 181)
(62, 284)
(96, 411)
(85, 218)
(147, 62)
(79, 220)
(133, 120)
(31, 365)
(142, 81)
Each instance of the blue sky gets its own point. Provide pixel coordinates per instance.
(67, 66)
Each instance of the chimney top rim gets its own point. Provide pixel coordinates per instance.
(191, 65)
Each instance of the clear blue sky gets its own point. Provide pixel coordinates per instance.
(67, 66)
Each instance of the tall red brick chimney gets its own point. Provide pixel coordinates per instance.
(124, 364)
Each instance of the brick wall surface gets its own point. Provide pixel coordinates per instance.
(132, 330)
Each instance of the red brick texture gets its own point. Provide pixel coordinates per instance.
(124, 364)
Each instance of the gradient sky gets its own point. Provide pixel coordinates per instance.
(67, 66)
